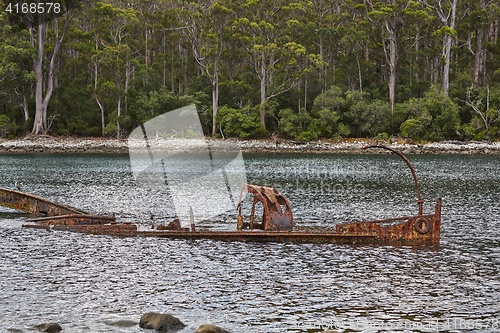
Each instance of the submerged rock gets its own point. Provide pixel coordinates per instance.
(160, 322)
(49, 327)
(122, 323)
(208, 328)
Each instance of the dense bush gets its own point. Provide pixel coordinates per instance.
(242, 123)
(433, 117)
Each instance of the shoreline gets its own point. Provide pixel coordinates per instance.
(61, 145)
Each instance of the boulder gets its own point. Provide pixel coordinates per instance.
(160, 322)
(208, 328)
(49, 327)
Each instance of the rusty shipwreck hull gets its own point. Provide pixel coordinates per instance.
(419, 229)
(275, 225)
(414, 229)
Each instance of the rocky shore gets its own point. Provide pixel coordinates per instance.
(48, 144)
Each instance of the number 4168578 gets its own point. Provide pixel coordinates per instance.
(33, 8)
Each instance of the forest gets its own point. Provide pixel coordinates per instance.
(424, 70)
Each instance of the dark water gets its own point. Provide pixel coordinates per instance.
(87, 283)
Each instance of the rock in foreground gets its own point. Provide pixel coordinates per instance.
(49, 327)
(160, 322)
(208, 328)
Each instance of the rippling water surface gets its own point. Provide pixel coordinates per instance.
(89, 283)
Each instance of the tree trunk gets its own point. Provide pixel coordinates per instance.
(360, 77)
(447, 47)
(263, 91)
(103, 120)
(119, 113)
(25, 109)
(41, 101)
(215, 96)
(478, 58)
(305, 91)
(446, 68)
(101, 104)
(417, 49)
(39, 126)
(392, 62)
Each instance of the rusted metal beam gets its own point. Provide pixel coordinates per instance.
(113, 229)
(74, 219)
(34, 204)
(417, 229)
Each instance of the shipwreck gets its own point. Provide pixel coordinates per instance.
(276, 224)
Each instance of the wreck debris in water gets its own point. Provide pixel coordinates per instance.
(276, 224)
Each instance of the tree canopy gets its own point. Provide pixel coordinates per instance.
(305, 70)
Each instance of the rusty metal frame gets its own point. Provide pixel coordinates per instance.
(277, 211)
(411, 229)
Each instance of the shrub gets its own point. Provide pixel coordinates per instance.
(242, 123)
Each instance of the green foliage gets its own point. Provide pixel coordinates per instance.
(242, 123)
(309, 69)
(432, 117)
(296, 124)
(147, 105)
(413, 128)
(370, 117)
(444, 112)
(5, 125)
(327, 110)
(484, 103)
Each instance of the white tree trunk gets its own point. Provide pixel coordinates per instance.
(39, 126)
(215, 96)
(25, 108)
(447, 39)
(263, 78)
(119, 109)
(41, 101)
(393, 62)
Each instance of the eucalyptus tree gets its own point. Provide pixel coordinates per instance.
(386, 16)
(206, 24)
(16, 70)
(355, 44)
(480, 32)
(416, 43)
(484, 105)
(113, 60)
(264, 29)
(446, 11)
(47, 27)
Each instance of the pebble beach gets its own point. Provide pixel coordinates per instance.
(48, 144)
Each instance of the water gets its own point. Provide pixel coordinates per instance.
(88, 283)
